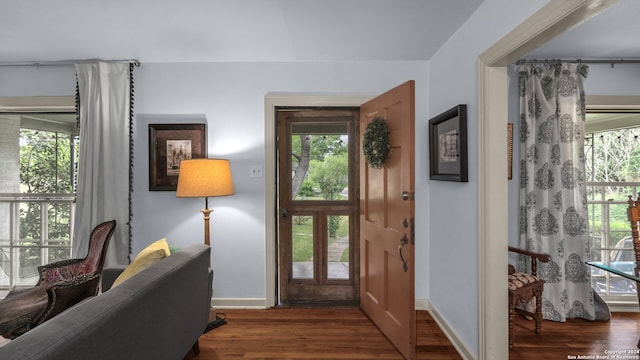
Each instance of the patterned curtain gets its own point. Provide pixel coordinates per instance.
(553, 202)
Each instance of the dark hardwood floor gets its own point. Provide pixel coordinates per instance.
(576, 337)
(321, 333)
(346, 333)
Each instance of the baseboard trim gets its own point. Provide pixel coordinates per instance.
(623, 306)
(453, 337)
(239, 303)
(260, 303)
(422, 304)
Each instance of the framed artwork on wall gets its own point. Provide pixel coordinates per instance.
(448, 145)
(168, 145)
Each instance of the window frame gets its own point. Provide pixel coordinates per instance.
(613, 104)
(36, 104)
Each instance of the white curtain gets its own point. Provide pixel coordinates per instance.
(553, 202)
(103, 171)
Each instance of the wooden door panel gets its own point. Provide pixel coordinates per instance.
(393, 193)
(387, 250)
(372, 289)
(375, 196)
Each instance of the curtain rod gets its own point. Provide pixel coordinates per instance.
(578, 61)
(66, 62)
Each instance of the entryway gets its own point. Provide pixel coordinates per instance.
(385, 210)
(318, 252)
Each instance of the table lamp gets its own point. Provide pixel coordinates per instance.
(205, 178)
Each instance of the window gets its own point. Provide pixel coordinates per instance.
(612, 150)
(38, 156)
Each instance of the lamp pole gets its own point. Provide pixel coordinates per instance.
(206, 212)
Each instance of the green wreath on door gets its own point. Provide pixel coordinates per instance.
(375, 143)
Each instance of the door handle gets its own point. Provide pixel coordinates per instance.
(405, 266)
(284, 213)
(404, 241)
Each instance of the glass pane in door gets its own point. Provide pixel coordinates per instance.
(302, 246)
(338, 246)
(320, 161)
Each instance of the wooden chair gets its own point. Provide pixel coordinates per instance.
(523, 287)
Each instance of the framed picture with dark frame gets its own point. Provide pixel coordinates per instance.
(448, 145)
(168, 145)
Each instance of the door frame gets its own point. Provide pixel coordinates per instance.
(320, 288)
(272, 101)
(551, 20)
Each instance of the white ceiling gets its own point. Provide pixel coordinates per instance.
(228, 30)
(274, 30)
(612, 34)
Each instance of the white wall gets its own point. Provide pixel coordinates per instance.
(230, 98)
(37, 81)
(453, 219)
(621, 80)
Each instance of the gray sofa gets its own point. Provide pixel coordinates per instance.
(158, 313)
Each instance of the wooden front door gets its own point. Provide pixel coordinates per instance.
(318, 205)
(387, 222)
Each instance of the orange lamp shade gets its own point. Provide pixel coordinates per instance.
(204, 178)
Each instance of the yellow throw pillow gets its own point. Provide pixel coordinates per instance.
(145, 258)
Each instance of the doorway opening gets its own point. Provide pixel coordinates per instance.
(553, 18)
(317, 206)
(389, 286)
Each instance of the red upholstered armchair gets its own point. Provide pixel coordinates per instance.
(92, 263)
(61, 285)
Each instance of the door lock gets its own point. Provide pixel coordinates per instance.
(404, 240)
(407, 196)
